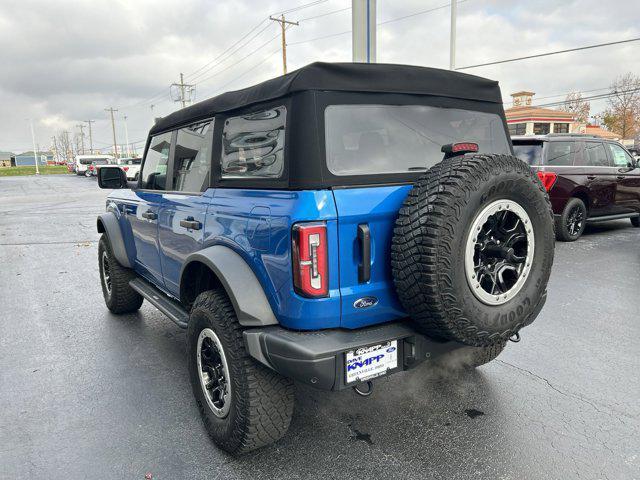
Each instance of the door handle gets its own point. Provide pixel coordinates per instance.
(591, 177)
(364, 238)
(190, 223)
(149, 215)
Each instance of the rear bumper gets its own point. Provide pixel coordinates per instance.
(318, 358)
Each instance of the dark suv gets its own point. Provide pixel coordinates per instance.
(330, 226)
(588, 179)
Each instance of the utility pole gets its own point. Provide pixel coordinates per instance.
(452, 38)
(283, 25)
(81, 127)
(183, 90)
(113, 127)
(126, 136)
(90, 135)
(363, 30)
(35, 150)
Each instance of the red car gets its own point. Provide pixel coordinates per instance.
(589, 179)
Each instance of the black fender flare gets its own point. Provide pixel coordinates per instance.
(241, 284)
(107, 223)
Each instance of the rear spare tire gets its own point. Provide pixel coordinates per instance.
(472, 249)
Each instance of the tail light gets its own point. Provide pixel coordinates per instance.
(125, 168)
(309, 251)
(454, 149)
(90, 167)
(548, 179)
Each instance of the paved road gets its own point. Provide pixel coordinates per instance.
(86, 394)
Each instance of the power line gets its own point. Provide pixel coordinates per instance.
(300, 7)
(239, 61)
(592, 97)
(385, 22)
(217, 60)
(324, 14)
(199, 72)
(567, 93)
(546, 54)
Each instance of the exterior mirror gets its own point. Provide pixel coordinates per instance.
(112, 178)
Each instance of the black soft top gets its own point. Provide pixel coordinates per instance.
(343, 77)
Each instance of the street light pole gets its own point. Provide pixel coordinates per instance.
(452, 38)
(126, 136)
(113, 127)
(90, 135)
(35, 152)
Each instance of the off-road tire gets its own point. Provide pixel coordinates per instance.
(261, 399)
(562, 231)
(123, 298)
(428, 245)
(635, 221)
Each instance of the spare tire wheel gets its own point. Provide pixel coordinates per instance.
(472, 249)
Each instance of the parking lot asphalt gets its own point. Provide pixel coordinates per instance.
(87, 394)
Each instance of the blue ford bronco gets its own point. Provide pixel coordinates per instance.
(329, 226)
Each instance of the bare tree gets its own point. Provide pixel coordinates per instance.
(623, 114)
(575, 105)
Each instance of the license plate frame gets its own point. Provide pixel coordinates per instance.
(371, 361)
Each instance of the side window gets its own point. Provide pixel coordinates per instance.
(517, 128)
(541, 128)
(621, 158)
(595, 155)
(154, 170)
(192, 159)
(560, 153)
(253, 145)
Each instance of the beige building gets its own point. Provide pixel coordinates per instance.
(525, 119)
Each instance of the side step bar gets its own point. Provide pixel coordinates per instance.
(171, 308)
(612, 217)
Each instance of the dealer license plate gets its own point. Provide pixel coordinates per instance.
(366, 363)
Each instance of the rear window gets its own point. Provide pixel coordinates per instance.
(89, 161)
(375, 139)
(100, 161)
(530, 153)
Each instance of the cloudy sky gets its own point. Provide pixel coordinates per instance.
(66, 61)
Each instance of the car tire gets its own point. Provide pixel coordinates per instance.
(114, 278)
(451, 208)
(259, 405)
(571, 223)
(635, 221)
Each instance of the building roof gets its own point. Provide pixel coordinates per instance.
(345, 77)
(30, 153)
(530, 113)
(601, 132)
(523, 92)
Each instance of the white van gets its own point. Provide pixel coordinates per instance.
(83, 162)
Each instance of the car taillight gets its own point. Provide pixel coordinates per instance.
(455, 149)
(90, 167)
(548, 179)
(309, 252)
(125, 168)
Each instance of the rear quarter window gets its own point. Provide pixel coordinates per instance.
(378, 139)
(253, 145)
(560, 154)
(530, 153)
